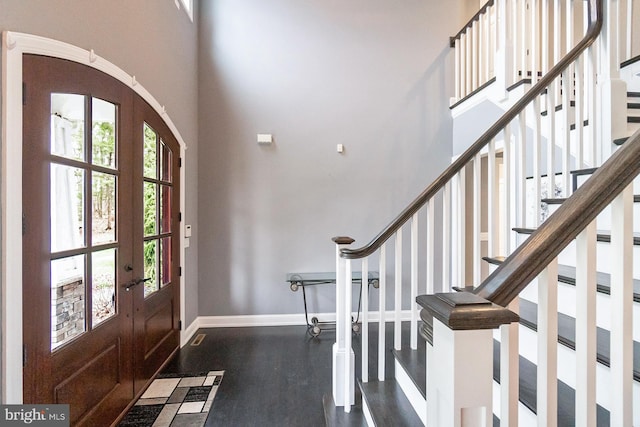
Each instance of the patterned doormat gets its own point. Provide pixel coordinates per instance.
(175, 400)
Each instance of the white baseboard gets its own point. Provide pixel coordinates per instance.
(273, 320)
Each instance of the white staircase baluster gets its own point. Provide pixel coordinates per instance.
(523, 37)
(521, 180)
(460, 217)
(349, 372)
(458, 67)
(509, 370)
(492, 201)
(579, 112)
(382, 298)
(414, 282)
(547, 391)
(431, 247)
(507, 194)
(586, 327)
(474, 33)
(446, 237)
(537, 158)
(622, 308)
(364, 328)
(477, 220)
(628, 52)
(397, 331)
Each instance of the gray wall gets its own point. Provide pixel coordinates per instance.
(372, 75)
(150, 39)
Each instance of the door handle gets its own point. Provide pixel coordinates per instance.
(135, 282)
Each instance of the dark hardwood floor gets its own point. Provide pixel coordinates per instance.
(274, 376)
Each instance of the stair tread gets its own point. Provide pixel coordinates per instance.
(334, 416)
(388, 404)
(633, 105)
(413, 362)
(528, 387)
(602, 236)
(567, 335)
(585, 171)
(567, 274)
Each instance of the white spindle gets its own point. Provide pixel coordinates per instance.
(535, 41)
(414, 282)
(349, 374)
(537, 159)
(521, 180)
(364, 328)
(469, 62)
(590, 80)
(622, 308)
(492, 201)
(457, 68)
(446, 237)
(586, 327)
(382, 298)
(547, 408)
(474, 34)
(551, 140)
(579, 112)
(397, 331)
(523, 37)
(462, 40)
(460, 226)
(507, 197)
(431, 247)
(509, 370)
(477, 219)
(629, 33)
(482, 58)
(545, 27)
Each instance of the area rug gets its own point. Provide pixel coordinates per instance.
(174, 400)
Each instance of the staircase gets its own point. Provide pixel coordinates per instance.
(522, 252)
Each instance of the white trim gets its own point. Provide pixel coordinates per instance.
(282, 319)
(13, 47)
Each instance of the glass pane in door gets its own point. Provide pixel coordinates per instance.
(103, 291)
(67, 125)
(103, 133)
(67, 208)
(150, 267)
(103, 227)
(67, 299)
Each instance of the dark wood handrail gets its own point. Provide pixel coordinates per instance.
(573, 216)
(482, 11)
(595, 25)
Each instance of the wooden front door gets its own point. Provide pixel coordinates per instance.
(89, 314)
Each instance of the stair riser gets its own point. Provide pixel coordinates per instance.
(526, 418)
(566, 305)
(636, 182)
(567, 369)
(603, 222)
(416, 399)
(603, 259)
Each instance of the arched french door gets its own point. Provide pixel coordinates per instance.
(100, 240)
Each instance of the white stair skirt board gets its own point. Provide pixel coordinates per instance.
(567, 372)
(284, 319)
(526, 418)
(566, 305)
(411, 391)
(367, 413)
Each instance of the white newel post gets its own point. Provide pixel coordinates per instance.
(460, 358)
(343, 373)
